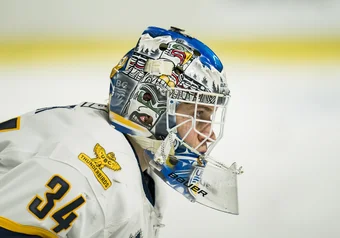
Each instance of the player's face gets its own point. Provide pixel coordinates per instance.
(193, 138)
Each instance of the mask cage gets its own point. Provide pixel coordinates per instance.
(206, 115)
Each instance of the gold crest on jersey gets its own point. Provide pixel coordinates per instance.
(97, 164)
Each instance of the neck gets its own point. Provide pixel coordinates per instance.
(141, 156)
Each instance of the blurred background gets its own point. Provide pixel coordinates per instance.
(282, 61)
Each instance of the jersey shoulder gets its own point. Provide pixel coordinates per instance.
(25, 134)
(59, 115)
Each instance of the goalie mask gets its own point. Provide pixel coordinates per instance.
(170, 94)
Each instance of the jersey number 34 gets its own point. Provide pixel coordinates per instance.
(63, 216)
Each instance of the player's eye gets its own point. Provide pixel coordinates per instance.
(203, 115)
(199, 114)
(147, 97)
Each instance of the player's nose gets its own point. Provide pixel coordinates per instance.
(207, 131)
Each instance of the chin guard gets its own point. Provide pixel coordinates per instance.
(198, 178)
(204, 181)
(220, 184)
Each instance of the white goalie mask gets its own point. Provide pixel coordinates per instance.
(170, 94)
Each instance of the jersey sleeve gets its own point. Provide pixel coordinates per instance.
(46, 198)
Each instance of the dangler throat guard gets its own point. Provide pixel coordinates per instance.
(198, 178)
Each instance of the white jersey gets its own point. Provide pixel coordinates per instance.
(66, 172)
